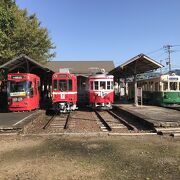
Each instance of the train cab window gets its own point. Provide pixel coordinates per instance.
(102, 85)
(62, 85)
(165, 86)
(96, 85)
(173, 86)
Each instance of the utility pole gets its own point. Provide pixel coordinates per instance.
(169, 51)
(161, 67)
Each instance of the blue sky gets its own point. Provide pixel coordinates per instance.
(109, 29)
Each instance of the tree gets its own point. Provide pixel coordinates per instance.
(22, 34)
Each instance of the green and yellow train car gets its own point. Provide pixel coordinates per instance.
(163, 90)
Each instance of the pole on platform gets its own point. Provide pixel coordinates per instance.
(135, 91)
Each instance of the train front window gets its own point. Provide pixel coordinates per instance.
(17, 86)
(102, 85)
(63, 85)
(173, 86)
(21, 88)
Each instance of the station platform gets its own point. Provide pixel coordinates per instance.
(153, 115)
(15, 120)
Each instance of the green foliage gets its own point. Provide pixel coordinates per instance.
(22, 34)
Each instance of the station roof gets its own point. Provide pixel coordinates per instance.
(25, 64)
(80, 67)
(136, 65)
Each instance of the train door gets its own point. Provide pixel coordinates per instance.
(36, 93)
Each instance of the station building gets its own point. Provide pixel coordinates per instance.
(82, 69)
(24, 64)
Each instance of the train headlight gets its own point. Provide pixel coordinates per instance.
(19, 99)
(14, 99)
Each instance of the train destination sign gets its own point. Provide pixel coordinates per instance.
(17, 77)
(173, 78)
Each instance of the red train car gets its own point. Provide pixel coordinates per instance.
(23, 91)
(64, 92)
(101, 90)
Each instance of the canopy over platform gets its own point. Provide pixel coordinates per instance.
(137, 65)
(25, 64)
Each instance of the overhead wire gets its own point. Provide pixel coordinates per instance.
(157, 50)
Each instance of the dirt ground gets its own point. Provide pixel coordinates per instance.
(57, 157)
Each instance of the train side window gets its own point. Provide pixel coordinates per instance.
(173, 86)
(30, 89)
(112, 85)
(35, 88)
(96, 85)
(91, 85)
(150, 86)
(70, 85)
(145, 86)
(165, 86)
(108, 85)
(55, 85)
(39, 86)
(156, 86)
(179, 85)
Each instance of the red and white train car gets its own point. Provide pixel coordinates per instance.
(23, 91)
(64, 92)
(101, 90)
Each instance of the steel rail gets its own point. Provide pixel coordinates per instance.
(123, 121)
(67, 120)
(103, 121)
(49, 122)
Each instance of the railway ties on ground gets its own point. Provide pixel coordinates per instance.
(58, 122)
(172, 131)
(104, 125)
(112, 122)
(123, 121)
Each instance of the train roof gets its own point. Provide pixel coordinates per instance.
(80, 67)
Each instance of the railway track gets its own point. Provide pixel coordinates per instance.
(175, 108)
(58, 122)
(109, 121)
(172, 131)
